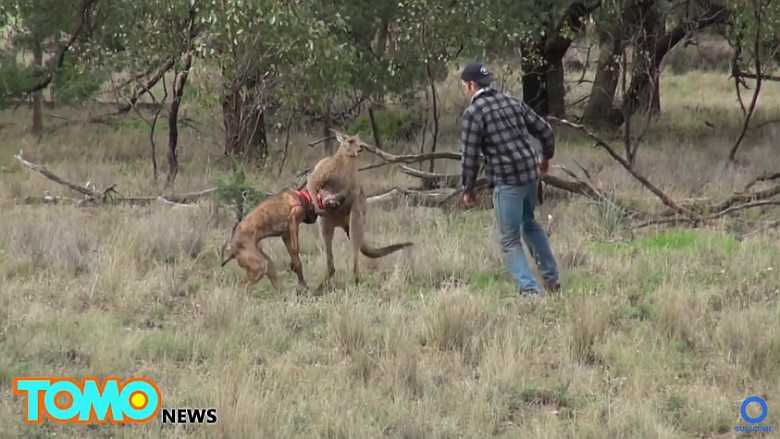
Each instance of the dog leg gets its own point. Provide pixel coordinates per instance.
(255, 266)
(270, 270)
(295, 260)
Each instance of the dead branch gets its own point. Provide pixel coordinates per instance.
(109, 194)
(762, 178)
(702, 219)
(415, 197)
(749, 75)
(46, 173)
(747, 197)
(432, 179)
(406, 159)
(752, 107)
(626, 165)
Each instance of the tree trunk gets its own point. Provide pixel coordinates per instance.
(173, 120)
(544, 87)
(556, 90)
(244, 120)
(535, 81)
(37, 96)
(645, 84)
(599, 110)
(535, 65)
(327, 134)
(643, 91)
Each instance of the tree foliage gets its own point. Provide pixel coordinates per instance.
(257, 60)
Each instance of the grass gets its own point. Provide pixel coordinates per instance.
(662, 335)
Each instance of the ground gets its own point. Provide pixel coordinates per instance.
(660, 335)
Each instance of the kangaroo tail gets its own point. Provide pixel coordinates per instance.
(375, 253)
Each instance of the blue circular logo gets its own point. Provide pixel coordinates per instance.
(743, 409)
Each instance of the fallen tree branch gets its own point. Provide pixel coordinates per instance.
(760, 178)
(418, 198)
(701, 219)
(46, 173)
(108, 194)
(746, 197)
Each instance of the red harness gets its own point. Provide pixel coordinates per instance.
(307, 196)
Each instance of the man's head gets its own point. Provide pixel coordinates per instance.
(475, 76)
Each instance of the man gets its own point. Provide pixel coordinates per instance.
(500, 126)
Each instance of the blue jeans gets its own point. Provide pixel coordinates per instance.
(514, 208)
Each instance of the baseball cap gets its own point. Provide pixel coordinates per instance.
(476, 72)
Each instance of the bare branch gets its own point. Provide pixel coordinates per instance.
(627, 166)
(756, 90)
(701, 219)
(104, 196)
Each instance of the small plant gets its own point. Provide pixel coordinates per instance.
(234, 192)
(610, 218)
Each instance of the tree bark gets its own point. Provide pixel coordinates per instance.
(642, 92)
(535, 79)
(173, 120)
(599, 109)
(243, 117)
(644, 82)
(37, 96)
(543, 81)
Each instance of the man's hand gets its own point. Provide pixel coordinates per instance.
(470, 200)
(545, 166)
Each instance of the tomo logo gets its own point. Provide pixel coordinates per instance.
(65, 400)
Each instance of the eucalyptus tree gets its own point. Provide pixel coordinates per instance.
(269, 55)
(33, 29)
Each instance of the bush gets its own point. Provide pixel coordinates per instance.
(392, 125)
(233, 191)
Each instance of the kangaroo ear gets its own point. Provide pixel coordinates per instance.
(339, 137)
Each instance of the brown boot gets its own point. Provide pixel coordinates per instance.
(552, 286)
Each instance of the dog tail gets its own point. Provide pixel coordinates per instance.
(375, 253)
(222, 255)
(222, 252)
(231, 257)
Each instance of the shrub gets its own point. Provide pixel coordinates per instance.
(393, 125)
(234, 191)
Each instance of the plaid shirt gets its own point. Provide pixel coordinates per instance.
(499, 126)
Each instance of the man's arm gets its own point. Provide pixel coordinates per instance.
(471, 139)
(539, 128)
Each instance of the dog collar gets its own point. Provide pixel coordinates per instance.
(307, 196)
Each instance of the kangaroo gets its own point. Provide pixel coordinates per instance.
(338, 175)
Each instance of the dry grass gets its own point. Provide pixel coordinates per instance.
(659, 336)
